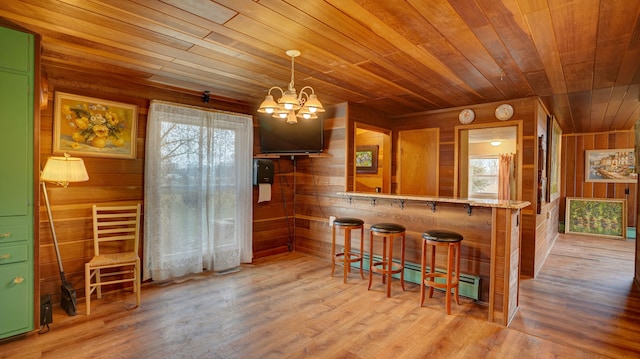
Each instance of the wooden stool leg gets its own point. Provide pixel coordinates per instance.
(423, 268)
(432, 269)
(449, 269)
(346, 257)
(402, 247)
(333, 249)
(361, 251)
(457, 262)
(385, 259)
(370, 260)
(389, 265)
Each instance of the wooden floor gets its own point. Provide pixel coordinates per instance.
(583, 305)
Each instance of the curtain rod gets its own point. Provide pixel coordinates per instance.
(199, 108)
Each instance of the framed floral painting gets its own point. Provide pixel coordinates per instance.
(85, 126)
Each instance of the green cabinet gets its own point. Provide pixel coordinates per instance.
(16, 187)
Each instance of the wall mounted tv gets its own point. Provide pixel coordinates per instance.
(277, 136)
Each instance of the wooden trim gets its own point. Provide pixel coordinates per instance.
(36, 180)
(492, 265)
(507, 267)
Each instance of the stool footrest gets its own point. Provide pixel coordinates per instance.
(352, 257)
(377, 267)
(429, 283)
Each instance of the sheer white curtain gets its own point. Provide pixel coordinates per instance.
(198, 194)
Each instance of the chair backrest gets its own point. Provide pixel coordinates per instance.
(116, 227)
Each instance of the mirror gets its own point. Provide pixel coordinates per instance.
(372, 159)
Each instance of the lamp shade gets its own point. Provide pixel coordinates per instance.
(64, 170)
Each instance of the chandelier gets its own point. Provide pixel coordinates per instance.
(306, 104)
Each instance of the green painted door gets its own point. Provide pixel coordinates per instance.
(16, 184)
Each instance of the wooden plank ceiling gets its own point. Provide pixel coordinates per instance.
(582, 57)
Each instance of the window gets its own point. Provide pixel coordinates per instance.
(198, 211)
(483, 176)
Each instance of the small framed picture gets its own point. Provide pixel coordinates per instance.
(86, 126)
(367, 159)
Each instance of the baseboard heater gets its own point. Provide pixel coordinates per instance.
(469, 284)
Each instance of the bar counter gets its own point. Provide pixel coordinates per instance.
(491, 230)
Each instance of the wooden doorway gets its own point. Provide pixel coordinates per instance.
(418, 160)
(376, 179)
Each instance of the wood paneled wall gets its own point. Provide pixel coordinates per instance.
(304, 189)
(111, 181)
(538, 232)
(572, 178)
(316, 201)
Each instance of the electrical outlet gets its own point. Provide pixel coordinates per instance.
(331, 219)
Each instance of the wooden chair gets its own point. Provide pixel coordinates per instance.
(116, 236)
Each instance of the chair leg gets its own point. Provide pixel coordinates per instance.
(432, 269)
(87, 287)
(98, 283)
(137, 281)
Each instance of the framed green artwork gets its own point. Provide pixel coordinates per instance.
(597, 217)
(367, 159)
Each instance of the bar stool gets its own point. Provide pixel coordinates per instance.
(347, 224)
(451, 240)
(385, 265)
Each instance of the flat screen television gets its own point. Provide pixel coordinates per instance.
(278, 136)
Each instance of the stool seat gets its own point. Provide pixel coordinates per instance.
(347, 221)
(387, 228)
(386, 266)
(347, 224)
(439, 235)
(451, 241)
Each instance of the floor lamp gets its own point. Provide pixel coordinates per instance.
(62, 171)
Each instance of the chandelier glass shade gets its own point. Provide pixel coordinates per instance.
(291, 105)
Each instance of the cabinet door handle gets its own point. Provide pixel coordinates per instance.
(5, 256)
(3, 235)
(18, 280)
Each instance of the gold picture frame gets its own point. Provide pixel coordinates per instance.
(617, 166)
(554, 144)
(92, 127)
(601, 217)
